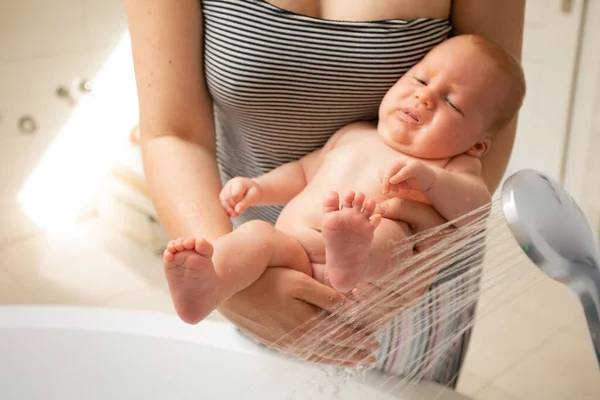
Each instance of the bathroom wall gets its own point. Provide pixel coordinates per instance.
(582, 169)
(590, 175)
(47, 47)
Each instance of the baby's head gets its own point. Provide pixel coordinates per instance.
(453, 101)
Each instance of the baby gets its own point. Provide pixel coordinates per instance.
(434, 125)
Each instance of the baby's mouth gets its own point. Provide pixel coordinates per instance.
(409, 115)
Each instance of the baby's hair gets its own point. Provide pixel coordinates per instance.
(508, 63)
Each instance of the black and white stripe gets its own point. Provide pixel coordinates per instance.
(283, 83)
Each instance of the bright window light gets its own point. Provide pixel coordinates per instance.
(65, 180)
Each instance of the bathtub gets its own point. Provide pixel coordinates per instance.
(56, 352)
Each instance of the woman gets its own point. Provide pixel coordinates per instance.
(237, 87)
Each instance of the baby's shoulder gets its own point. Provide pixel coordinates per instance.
(357, 128)
(464, 164)
(350, 133)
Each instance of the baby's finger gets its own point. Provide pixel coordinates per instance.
(384, 175)
(401, 176)
(399, 186)
(228, 209)
(393, 170)
(385, 187)
(232, 203)
(250, 199)
(238, 190)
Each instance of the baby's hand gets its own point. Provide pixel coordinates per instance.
(408, 175)
(238, 194)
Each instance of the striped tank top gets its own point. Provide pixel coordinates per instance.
(283, 83)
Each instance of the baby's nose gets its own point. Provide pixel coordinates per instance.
(424, 98)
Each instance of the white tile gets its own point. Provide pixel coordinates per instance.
(15, 223)
(502, 291)
(144, 299)
(492, 392)
(40, 28)
(510, 277)
(470, 383)
(101, 56)
(149, 299)
(11, 291)
(563, 368)
(574, 346)
(551, 301)
(503, 338)
(70, 269)
(507, 271)
(136, 258)
(29, 88)
(114, 75)
(107, 22)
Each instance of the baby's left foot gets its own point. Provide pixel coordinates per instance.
(348, 233)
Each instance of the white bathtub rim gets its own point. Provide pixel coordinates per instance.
(219, 334)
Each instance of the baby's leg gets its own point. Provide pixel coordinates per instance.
(348, 233)
(200, 280)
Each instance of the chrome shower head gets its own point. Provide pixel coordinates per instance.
(554, 233)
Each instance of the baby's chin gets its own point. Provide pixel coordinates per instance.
(423, 153)
(411, 149)
(418, 150)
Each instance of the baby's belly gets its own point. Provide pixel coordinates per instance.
(301, 218)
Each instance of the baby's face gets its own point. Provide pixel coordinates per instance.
(442, 106)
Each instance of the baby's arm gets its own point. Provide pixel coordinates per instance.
(454, 191)
(278, 186)
(283, 183)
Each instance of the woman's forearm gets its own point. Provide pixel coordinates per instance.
(184, 183)
(176, 116)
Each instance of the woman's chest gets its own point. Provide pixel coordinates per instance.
(367, 10)
(261, 58)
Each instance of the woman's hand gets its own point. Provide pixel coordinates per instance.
(292, 312)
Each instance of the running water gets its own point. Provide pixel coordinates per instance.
(432, 295)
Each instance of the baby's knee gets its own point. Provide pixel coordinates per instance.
(256, 228)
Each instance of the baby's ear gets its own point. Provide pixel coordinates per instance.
(480, 148)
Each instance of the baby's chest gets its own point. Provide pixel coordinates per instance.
(369, 155)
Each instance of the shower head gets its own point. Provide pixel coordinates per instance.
(554, 233)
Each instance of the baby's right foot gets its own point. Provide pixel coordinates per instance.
(348, 233)
(192, 278)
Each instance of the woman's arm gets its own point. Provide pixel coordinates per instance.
(501, 21)
(176, 117)
(178, 147)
